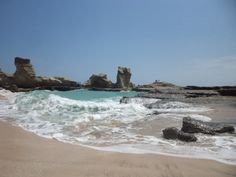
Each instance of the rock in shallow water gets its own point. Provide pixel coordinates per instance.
(197, 126)
(186, 137)
(170, 133)
(174, 133)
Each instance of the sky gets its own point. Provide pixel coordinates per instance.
(186, 42)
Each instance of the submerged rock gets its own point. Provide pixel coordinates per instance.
(196, 126)
(174, 133)
(123, 78)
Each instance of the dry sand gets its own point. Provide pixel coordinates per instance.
(23, 154)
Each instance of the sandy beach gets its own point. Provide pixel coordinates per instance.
(23, 154)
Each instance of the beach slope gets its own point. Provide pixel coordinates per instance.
(25, 154)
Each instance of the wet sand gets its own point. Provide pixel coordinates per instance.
(23, 154)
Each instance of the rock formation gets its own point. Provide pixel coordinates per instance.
(7, 81)
(227, 91)
(25, 79)
(212, 128)
(25, 74)
(99, 81)
(174, 133)
(191, 126)
(123, 78)
(222, 90)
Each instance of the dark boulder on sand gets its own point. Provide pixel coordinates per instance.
(174, 133)
(197, 126)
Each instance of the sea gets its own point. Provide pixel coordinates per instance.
(98, 120)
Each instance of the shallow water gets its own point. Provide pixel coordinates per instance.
(98, 120)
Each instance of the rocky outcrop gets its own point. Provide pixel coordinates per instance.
(196, 126)
(66, 82)
(7, 81)
(25, 79)
(223, 90)
(228, 91)
(98, 81)
(123, 78)
(156, 86)
(47, 81)
(25, 74)
(55, 83)
(191, 126)
(174, 133)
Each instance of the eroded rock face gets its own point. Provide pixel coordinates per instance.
(25, 79)
(25, 74)
(66, 82)
(99, 81)
(174, 133)
(7, 81)
(47, 81)
(197, 126)
(123, 78)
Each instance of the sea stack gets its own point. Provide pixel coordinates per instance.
(123, 77)
(25, 74)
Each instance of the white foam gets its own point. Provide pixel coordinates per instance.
(178, 107)
(143, 101)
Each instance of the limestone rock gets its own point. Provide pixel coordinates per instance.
(197, 126)
(99, 81)
(25, 74)
(47, 81)
(123, 78)
(7, 81)
(66, 82)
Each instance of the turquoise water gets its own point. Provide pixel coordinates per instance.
(92, 95)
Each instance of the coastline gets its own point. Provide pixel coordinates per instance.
(25, 154)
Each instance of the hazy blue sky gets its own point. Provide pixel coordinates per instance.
(181, 41)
